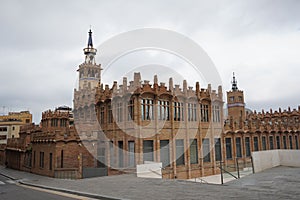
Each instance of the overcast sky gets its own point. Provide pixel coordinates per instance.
(42, 42)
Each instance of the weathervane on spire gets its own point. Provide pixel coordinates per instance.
(234, 84)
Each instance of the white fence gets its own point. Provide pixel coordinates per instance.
(268, 159)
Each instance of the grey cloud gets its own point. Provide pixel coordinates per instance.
(42, 41)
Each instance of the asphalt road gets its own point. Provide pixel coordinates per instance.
(11, 190)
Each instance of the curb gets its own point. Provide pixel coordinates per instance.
(9, 177)
(85, 194)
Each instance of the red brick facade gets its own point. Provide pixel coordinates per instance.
(51, 149)
(164, 119)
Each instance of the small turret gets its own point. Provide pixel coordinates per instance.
(236, 103)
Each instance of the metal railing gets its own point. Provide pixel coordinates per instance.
(240, 166)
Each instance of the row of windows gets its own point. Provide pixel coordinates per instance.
(87, 113)
(163, 111)
(231, 99)
(148, 152)
(3, 129)
(55, 122)
(41, 160)
(90, 73)
(238, 144)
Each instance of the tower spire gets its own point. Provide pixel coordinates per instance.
(234, 84)
(90, 40)
(89, 71)
(90, 51)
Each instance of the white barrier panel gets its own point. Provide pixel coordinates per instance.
(268, 159)
(149, 170)
(290, 158)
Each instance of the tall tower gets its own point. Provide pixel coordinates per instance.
(236, 103)
(89, 71)
(84, 95)
(85, 118)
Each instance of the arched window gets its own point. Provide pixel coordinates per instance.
(163, 110)
(178, 111)
(147, 109)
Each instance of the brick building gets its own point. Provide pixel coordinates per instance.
(116, 128)
(245, 132)
(57, 149)
(51, 149)
(10, 127)
(181, 127)
(152, 122)
(24, 116)
(18, 150)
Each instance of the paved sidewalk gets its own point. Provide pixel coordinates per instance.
(276, 183)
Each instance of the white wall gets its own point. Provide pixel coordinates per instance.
(290, 158)
(268, 159)
(149, 170)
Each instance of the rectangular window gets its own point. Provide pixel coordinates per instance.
(50, 161)
(130, 115)
(206, 150)
(110, 114)
(121, 160)
(163, 110)
(102, 115)
(278, 142)
(81, 114)
(33, 158)
(192, 112)
(55, 122)
(87, 113)
(63, 122)
(62, 159)
(131, 158)
(291, 142)
(3, 129)
(264, 145)
(193, 151)
(218, 151)
(284, 142)
(238, 147)
(216, 113)
(296, 142)
(271, 142)
(179, 152)
(247, 145)
(3, 137)
(27, 159)
(178, 111)
(228, 148)
(100, 156)
(255, 141)
(204, 113)
(119, 112)
(147, 109)
(112, 154)
(41, 159)
(148, 150)
(165, 153)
